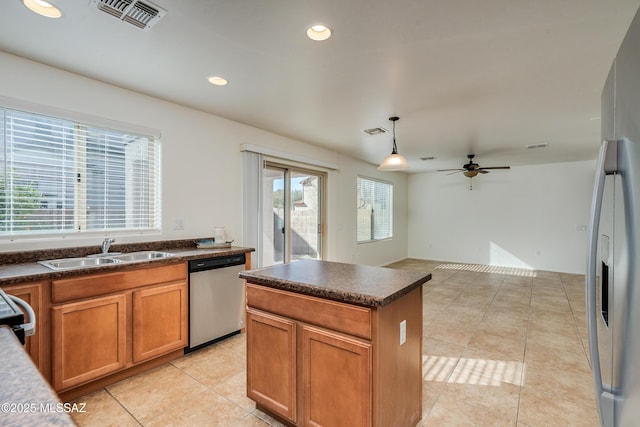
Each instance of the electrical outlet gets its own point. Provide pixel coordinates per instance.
(178, 224)
(403, 332)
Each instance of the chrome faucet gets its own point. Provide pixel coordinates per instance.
(106, 243)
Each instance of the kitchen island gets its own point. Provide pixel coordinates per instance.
(332, 344)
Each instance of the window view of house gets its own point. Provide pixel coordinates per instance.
(61, 176)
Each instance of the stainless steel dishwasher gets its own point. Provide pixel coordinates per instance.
(216, 299)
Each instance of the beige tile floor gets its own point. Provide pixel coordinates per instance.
(502, 347)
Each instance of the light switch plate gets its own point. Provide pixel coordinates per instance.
(403, 332)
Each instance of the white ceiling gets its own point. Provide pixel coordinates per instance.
(487, 77)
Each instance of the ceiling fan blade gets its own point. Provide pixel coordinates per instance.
(481, 170)
(457, 171)
(449, 170)
(497, 167)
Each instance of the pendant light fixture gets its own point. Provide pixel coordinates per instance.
(394, 161)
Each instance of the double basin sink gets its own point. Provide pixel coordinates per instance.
(102, 260)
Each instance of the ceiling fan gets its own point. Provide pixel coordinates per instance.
(472, 169)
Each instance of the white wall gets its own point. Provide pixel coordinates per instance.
(201, 161)
(525, 217)
(375, 253)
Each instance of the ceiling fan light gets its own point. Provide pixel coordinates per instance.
(394, 162)
(470, 174)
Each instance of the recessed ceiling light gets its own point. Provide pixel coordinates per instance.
(218, 81)
(43, 8)
(318, 32)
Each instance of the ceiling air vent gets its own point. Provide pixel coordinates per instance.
(374, 131)
(143, 15)
(533, 146)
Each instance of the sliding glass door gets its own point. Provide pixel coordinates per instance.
(292, 214)
(273, 227)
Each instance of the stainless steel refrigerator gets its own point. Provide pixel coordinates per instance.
(613, 261)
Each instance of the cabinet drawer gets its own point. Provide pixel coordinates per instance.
(346, 318)
(100, 284)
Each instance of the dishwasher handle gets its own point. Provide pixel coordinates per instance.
(214, 263)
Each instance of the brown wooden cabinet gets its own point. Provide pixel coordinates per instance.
(90, 340)
(159, 320)
(272, 380)
(316, 362)
(31, 293)
(342, 366)
(106, 323)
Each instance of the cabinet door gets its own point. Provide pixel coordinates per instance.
(271, 362)
(31, 294)
(159, 320)
(342, 366)
(89, 340)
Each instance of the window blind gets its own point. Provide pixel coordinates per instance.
(63, 176)
(374, 210)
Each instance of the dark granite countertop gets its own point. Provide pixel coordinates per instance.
(30, 271)
(353, 284)
(25, 397)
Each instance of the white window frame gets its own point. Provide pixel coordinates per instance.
(288, 169)
(145, 148)
(374, 235)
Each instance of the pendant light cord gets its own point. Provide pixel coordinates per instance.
(395, 147)
(394, 119)
(394, 161)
